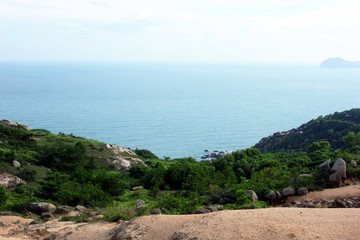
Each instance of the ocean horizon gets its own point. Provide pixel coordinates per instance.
(174, 110)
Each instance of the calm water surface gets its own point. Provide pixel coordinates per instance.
(173, 110)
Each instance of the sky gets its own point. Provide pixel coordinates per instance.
(305, 31)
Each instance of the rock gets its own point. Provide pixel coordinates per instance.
(202, 211)
(41, 207)
(80, 208)
(34, 222)
(47, 215)
(139, 204)
(278, 195)
(16, 164)
(155, 211)
(62, 210)
(137, 188)
(7, 213)
(339, 167)
(8, 180)
(253, 195)
(287, 205)
(353, 163)
(8, 123)
(217, 206)
(325, 166)
(335, 178)
(305, 175)
(339, 203)
(211, 209)
(287, 192)
(303, 191)
(124, 164)
(271, 195)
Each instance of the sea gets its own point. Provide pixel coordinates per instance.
(173, 109)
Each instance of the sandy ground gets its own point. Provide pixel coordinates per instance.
(329, 194)
(271, 223)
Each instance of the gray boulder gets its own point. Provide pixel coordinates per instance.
(303, 191)
(41, 207)
(278, 195)
(353, 163)
(339, 167)
(305, 175)
(80, 208)
(139, 204)
(47, 215)
(137, 188)
(8, 180)
(335, 178)
(16, 164)
(325, 166)
(271, 195)
(202, 211)
(155, 211)
(253, 195)
(287, 192)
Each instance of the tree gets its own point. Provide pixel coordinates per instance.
(318, 152)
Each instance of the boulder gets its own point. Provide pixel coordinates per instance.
(80, 208)
(8, 123)
(155, 211)
(287, 192)
(137, 188)
(47, 215)
(335, 178)
(16, 164)
(339, 167)
(271, 195)
(8, 180)
(325, 166)
(353, 163)
(62, 210)
(41, 207)
(253, 195)
(278, 195)
(122, 163)
(305, 175)
(211, 209)
(303, 191)
(139, 204)
(202, 211)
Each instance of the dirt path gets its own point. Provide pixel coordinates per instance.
(329, 194)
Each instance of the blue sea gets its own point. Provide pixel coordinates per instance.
(174, 110)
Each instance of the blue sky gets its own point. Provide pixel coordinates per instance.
(179, 30)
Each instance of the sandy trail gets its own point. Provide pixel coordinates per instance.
(329, 194)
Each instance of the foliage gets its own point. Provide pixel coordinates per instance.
(3, 195)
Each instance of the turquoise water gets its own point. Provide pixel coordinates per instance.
(174, 110)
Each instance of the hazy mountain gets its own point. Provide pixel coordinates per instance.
(339, 63)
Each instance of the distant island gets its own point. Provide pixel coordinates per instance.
(339, 63)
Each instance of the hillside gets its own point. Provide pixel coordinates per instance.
(331, 128)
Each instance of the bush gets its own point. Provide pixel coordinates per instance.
(28, 175)
(3, 195)
(116, 212)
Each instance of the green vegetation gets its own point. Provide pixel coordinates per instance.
(331, 128)
(67, 170)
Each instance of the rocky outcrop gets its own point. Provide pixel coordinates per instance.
(8, 123)
(123, 158)
(339, 167)
(42, 207)
(8, 180)
(16, 164)
(253, 195)
(124, 164)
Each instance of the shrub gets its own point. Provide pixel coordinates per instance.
(3, 195)
(27, 174)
